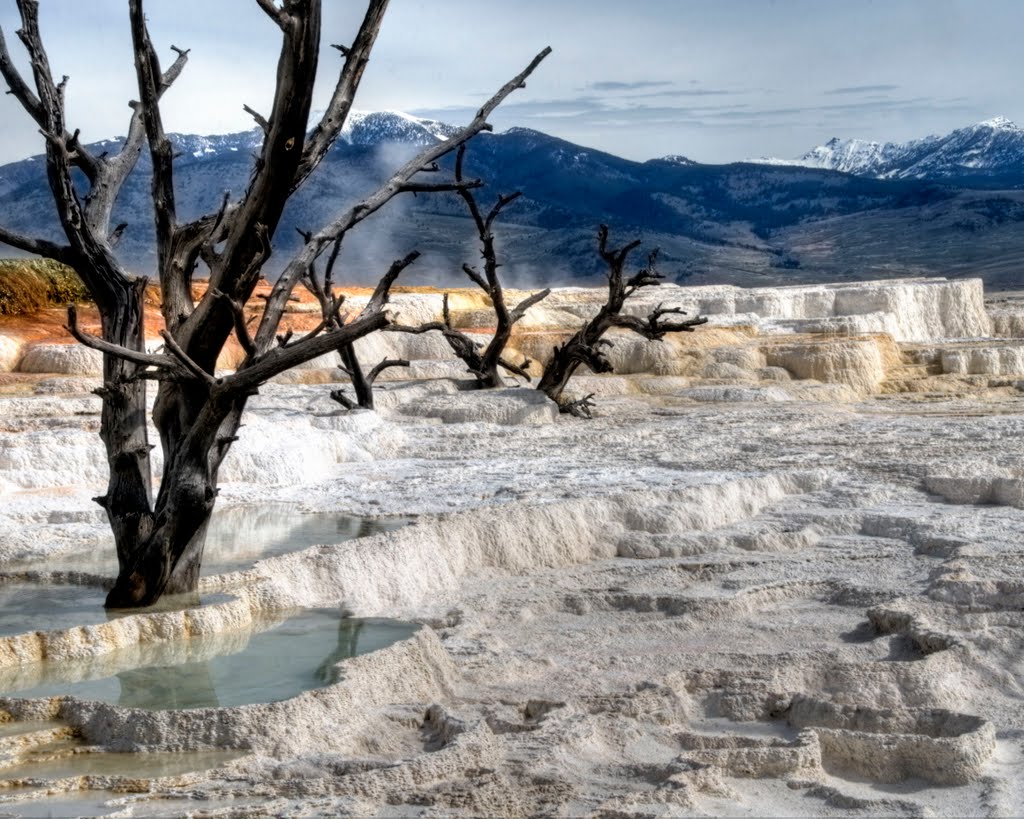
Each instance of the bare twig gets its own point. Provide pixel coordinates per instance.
(260, 119)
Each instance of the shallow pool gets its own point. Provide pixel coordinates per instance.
(278, 660)
(241, 535)
(27, 606)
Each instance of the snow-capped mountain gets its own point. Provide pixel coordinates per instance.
(992, 148)
(376, 127)
(366, 128)
(676, 159)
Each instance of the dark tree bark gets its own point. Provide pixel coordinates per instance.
(470, 351)
(362, 382)
(588, 345)
(197, 413)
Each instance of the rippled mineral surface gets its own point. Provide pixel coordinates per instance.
(779, 573)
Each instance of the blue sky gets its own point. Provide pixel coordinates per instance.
(715, 80)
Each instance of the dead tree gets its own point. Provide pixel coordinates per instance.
(469, 350)
(330, 311)
(483, 362)
(197, 413)
(362, 382)
(588, 346)
(485, 366)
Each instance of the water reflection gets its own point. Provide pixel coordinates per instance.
(278, 660)
(189, 685)
(27, 606)
(241, 535)
(238, 536)
(59, 604)
(349, 629)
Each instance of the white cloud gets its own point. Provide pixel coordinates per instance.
(670, 58)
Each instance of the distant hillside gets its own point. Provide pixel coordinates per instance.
(744, 223)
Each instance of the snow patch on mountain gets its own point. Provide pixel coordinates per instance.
(376, 127)
(991, 146)
(676, 159)
(361, 128)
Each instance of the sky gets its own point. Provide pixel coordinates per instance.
(713, 80)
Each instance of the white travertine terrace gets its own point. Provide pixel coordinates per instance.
(777, 574)
(65, 359)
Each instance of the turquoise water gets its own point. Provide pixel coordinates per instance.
(277, 661)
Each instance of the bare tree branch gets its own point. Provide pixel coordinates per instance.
(527, 303)
(150, 82)
(260, 119)
(18, 87)
(580, 408)
(383, 289)
(187, 362)
(301, 263)
(476, 278)
(48, 99)
(329, 271)
(326, 131)
(386, 364)
(40, 247)
(339, 396)
(518, 369)
(161, 362)
(241, 328)
(362, 383)
(270, 362)
(438, 187)
(283, 358)
(115, 170)
(273, 11)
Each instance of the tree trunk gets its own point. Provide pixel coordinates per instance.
(363, 388)
(196, 431)
(556, 376)
(129, 497)
(583, 348)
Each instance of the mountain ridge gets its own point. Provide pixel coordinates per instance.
(740, 223)
(993, 148)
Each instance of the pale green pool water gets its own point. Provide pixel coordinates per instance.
(241, 535)
(278, 661)
(27, 606)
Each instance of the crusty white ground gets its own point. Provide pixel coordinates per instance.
(589, 682)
